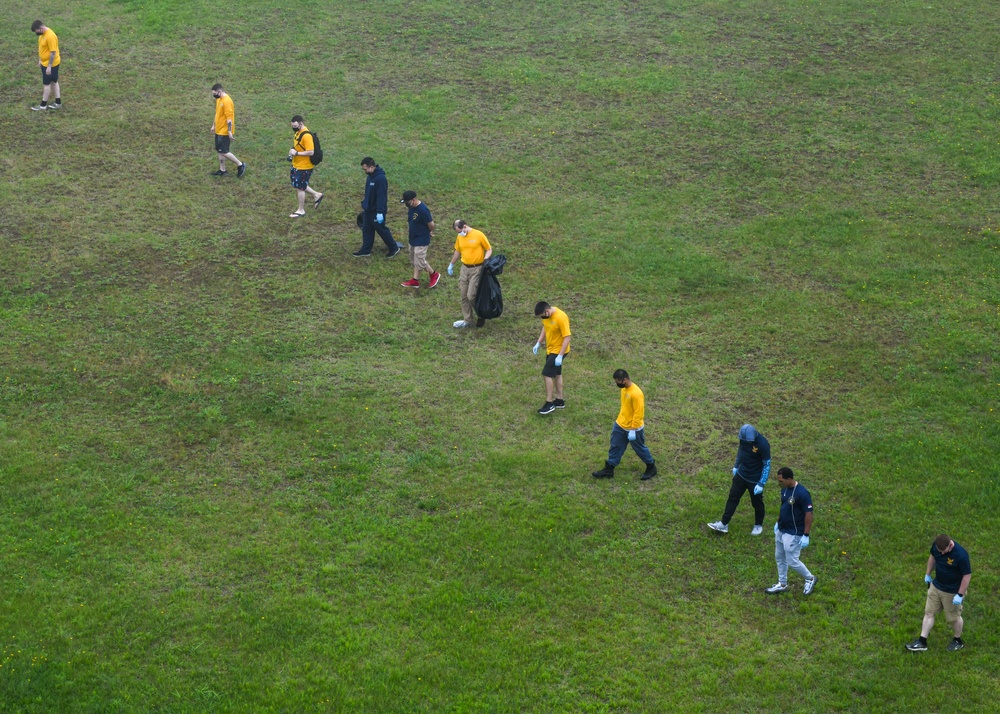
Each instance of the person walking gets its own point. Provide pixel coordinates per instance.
(222, 128)
(555, 336)
(791, 532)
(945, 591)
(473, 248)
(753, 465)
(49, 60)
(303, 148)
(629, 429)
(421, 229)
(374, 206)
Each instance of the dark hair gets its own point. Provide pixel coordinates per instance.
(942, 542)
(37, 25)
(540, 307)
(786, 473)
(298, 118)
(460, 224)
(216, 87)
(368, 161)
(620, 374)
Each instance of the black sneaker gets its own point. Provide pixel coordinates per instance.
(220, 172)
(559, 404)
(650, 472)
(547, 408)
(918, 645)
(956, 645)
(362, 254)
(394, 253)
(242, 169)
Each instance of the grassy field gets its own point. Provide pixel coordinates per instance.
(241, 471)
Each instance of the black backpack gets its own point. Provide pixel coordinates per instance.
(317, 157)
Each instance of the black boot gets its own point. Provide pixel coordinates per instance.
(607, 472)
(650, 471)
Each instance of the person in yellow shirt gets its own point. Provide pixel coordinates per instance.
(555, 336)
(629, 429)
(49, 60)
(473, 248)
(300, 155)
(222, 128)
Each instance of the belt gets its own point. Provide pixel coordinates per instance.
(471, 266)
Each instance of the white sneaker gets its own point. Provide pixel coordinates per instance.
(39, 108)
(810, 584)
(777, 588)
(460, 323)
(757, 530)
(719, 526)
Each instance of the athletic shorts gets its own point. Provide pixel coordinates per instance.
(222, 143)
(50, 78)
(550, 369)
(300, 178)
(938, 600)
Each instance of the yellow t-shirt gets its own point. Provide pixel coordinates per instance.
(224, 111)
(556, 329)
(47, 44)
(633, 408)
(473, 246)
(303, 142)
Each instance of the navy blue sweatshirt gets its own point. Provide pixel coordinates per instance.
(376, 192)
(753, 460)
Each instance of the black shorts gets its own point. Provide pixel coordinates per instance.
(550, 369)
(222, 143)
(300, 178)
(50, 78)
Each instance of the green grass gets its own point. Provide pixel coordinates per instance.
(241, 472)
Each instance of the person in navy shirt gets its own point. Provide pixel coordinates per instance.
(791, 531)
(374, 206)
(945, 591)
(750, 472)
(421, 224)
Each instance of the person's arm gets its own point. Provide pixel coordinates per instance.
(963, 587)
(455, 257)
(381, 196)
(52, 58)
(489, 252)
(565, 345)
(930, 565)
(229, 124)
(809, 523)
(430, 227)
(301, 141)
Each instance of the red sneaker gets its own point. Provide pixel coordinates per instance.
(435, 277)
(411, 283)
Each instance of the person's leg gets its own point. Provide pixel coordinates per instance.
(46, 91)
(548, 388)
(232, 157)
(57, 94)
(301, 193)
(932, 607)
(386, 235)
(619, 442)
(793, 550)
(367, 233)
(222, 162)
(779, 558)
(558, 384)
(758, 506)
(420, 260)
(464, 280)
(415, 262)
(474, 276)
(736, 491)
(639, 446)
(952, 613)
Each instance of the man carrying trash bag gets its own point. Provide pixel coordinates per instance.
(489, 299)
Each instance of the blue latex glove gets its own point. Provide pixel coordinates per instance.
(957, 600)
(928, 579)
(559, 364)
(804, 541)
(757, 490)
(775, 528)
(534, 350)
(631, 435)
(735, 471)
(379, 218)
(451, 268)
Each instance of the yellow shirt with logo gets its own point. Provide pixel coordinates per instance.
(473, 246)
(224, 112)
(303, 142)
(556, 329)
(633, 408)
(47, 44)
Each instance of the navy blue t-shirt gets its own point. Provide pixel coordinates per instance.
(418, 218)
(950, 568)
(796, 502)
(752, 457)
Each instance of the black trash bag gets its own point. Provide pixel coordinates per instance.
(489, 298)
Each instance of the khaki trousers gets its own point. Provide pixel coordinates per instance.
(418, 258)
(468, 285)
